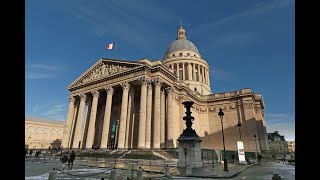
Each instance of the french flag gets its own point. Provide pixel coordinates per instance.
(110, 46)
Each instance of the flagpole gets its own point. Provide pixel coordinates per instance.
(115, 48)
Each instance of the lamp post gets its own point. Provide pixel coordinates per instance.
(260, 146)
(239, 126)
(255, 140)
(221, 114)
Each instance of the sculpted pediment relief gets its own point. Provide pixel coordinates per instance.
(103, 69)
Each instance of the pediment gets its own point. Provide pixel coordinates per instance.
(102, 69)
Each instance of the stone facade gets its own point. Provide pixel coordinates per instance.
(291, 146)
(277, 143)
(125, 104)
(42, 133)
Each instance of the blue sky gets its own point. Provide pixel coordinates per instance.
(247, 43)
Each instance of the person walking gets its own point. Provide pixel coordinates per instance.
(71, 159)
(63, 160)
(259, 159)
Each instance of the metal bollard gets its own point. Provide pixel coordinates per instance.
(166, 171)
(189, 170)
(113, 175)
(53, 175)
(139, 175)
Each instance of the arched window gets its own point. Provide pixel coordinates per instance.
(188, 54)
(180, 54)
(173, 55)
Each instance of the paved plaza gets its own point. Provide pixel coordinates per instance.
(83, 170)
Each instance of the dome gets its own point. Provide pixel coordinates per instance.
(181, 44)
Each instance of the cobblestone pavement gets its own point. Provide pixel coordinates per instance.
(83, 170)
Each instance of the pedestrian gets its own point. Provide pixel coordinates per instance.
(259, 159)
(284, 160)
(71, 159)
(30, 153)
(63, 160)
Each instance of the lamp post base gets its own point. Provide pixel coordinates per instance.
(225, 163)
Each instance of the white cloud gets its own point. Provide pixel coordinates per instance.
(220, 74)
(260, 8)
(41, 71)
(284, 123)
(232, 39)
(55, 109)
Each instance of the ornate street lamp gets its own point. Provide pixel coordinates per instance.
(255, 140)
(221, 114)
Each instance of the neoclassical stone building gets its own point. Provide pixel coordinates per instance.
(43, 133)
(139, 104)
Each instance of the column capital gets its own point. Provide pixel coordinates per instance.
(144, 80)
(162, 92)
(109, 89)
(88, 101)
(83, 96)
(157, 81)
(95, 93)
(169, 89)
(125, 86)
(71, 99)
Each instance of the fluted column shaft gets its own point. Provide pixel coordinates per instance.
(170, 116)
(208, 77)
(92, 121)
(129, 120)
(202, 69)
(77, 133)
(162, 119)
(183, 72)
(156, 127)
(142, 114)
(194, 72)
(67, 129)
(178, 70)
(106, 119)
(149, 113)
(123, 115)
(189, 72)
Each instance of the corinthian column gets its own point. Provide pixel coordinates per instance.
(189, 72)
(129, 120)
(106, 119)
(142, 114)
(156, 130)
(170, 118)
(194, 72)
(77, 132)
(67, 128)
(92, 121)
(123, 117)
(149, 113)
(162, 119)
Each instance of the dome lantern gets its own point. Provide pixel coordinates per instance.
(181, 33)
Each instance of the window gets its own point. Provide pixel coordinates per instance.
(173, 55)
(188, 54)
(195, 89)
(180, 54)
